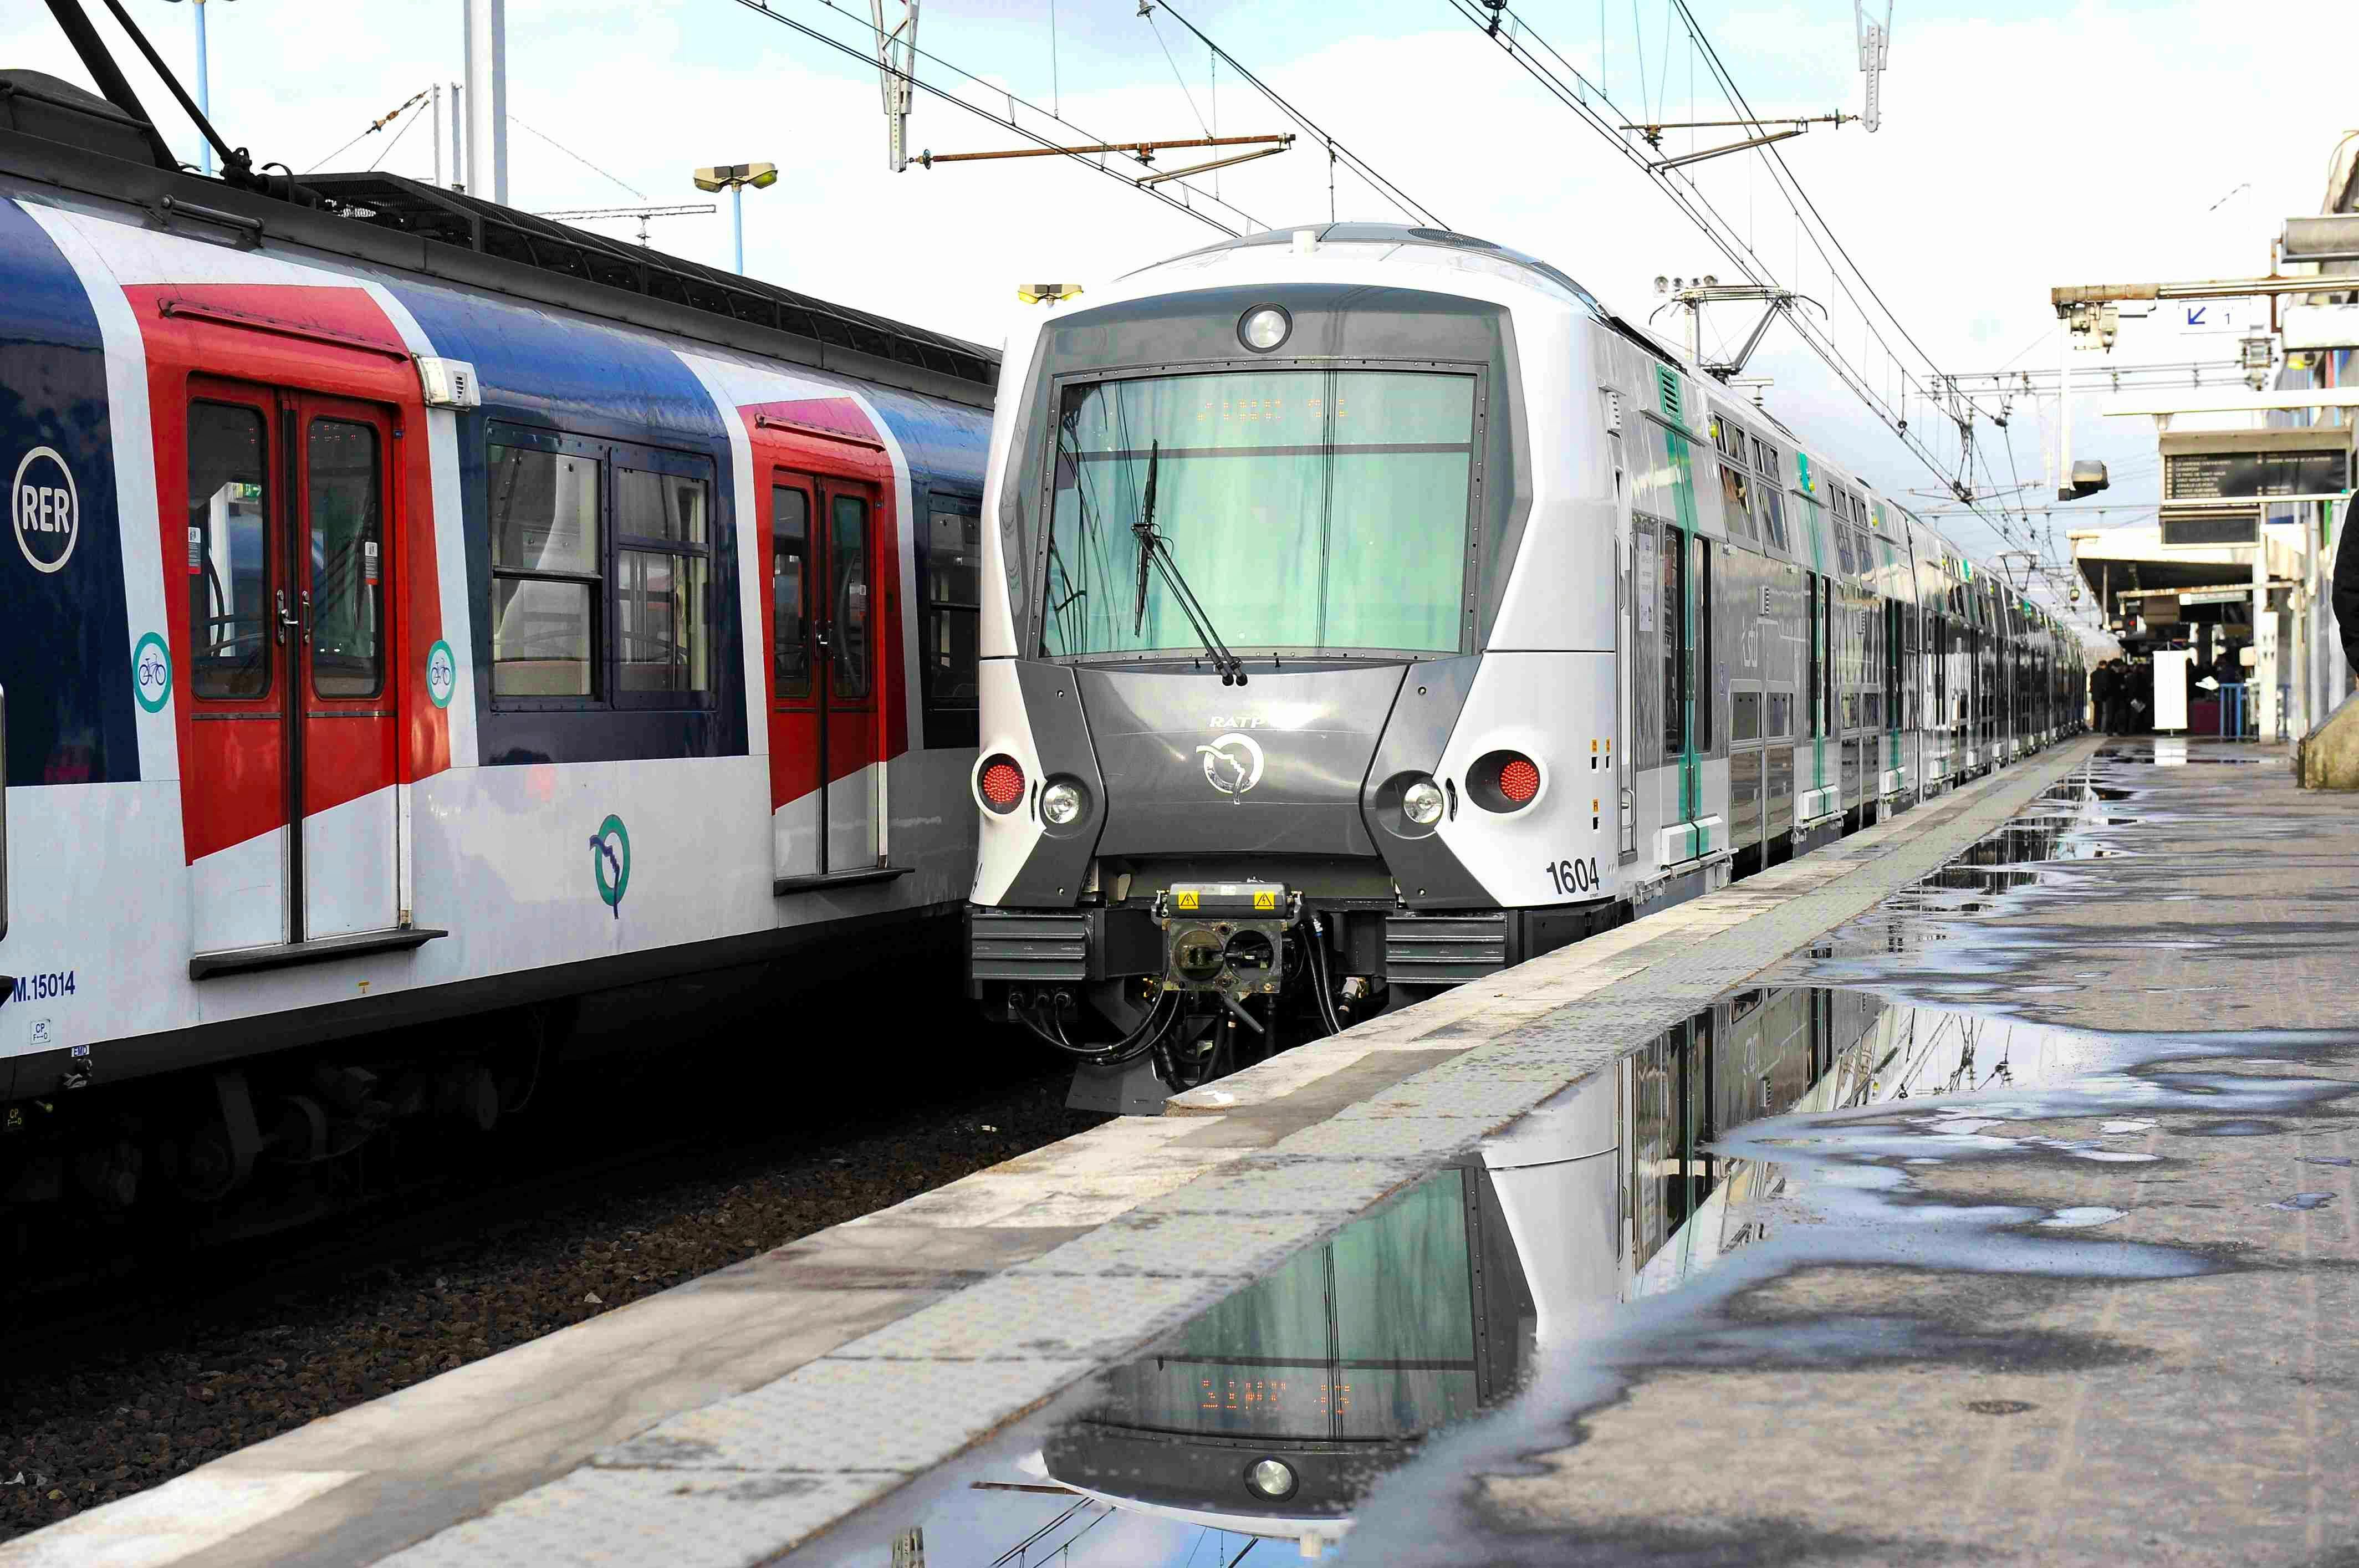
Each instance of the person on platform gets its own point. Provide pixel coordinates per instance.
(2104, 682)
(2346, 590)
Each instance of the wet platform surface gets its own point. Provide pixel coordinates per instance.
(1899, 1256)
(1979, 1190)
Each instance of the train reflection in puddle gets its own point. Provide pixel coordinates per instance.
(1271, 1414)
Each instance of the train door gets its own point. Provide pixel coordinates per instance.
(1626, 674)
(1686, 614)
(293, 720)
(826, 745)
(1746, 587)
(1891, 705)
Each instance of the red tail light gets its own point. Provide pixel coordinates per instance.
(1003, 784)
(1519, 780)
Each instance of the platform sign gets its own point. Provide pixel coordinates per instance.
(2201, 317)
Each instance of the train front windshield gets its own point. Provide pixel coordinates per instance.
(1309, 510)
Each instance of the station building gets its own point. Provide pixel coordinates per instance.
(2241, 558)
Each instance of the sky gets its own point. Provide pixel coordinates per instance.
(2022, 146)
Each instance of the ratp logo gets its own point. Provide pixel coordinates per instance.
(1232, 763)
(610, 863)
(46, 510)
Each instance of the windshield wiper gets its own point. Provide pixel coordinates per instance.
(1154, 552)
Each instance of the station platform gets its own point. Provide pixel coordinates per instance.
(1870, 1327)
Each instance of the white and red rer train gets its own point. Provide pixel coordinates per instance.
(415, 608)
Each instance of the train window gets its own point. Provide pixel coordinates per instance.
(1842, 546)
(543, 511)
(341, 466)
(661, 639)
(230, 618)
(662, 561)
(1370, 549)
(1773, 515)
(952, 611)
(666, 507)
(1744, 717)
(790, 591)
(1736, 501)
(847, 596)
(1777, 716)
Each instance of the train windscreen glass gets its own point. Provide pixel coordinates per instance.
(1307, 509)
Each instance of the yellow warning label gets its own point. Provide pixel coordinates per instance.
(1264, 900)
(1187, 901)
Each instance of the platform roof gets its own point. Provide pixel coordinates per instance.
(2111, 557)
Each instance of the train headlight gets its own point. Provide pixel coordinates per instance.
(1273, 1478)
(1264, 327)
(1061, 803)
(1421, 803)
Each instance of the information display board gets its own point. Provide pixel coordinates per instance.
(2250, 475)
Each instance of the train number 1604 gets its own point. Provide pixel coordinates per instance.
(1574, 876)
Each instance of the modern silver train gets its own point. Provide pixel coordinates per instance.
(1369, 609)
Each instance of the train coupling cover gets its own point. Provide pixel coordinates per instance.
(1225, 937)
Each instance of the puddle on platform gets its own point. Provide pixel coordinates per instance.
(1340, 1405)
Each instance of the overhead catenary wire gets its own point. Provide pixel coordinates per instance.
(394, 141)
(1336, 151)
(576, 158)
(1960, 408)
(373, 127)
(1176, 76)
(1572, 88)
(1008, 122)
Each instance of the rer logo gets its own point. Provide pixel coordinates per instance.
(610, 861)
(45, 509)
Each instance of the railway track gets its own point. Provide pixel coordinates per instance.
(116, 1383)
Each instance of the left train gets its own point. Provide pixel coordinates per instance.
(417, 610)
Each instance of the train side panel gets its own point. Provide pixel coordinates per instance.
(234, 426)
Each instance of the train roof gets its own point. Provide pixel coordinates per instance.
(1395, 234)
(56, 134)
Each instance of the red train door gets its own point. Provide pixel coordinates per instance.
(826, 748)
(292, 719)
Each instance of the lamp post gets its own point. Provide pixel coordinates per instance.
(205, 97)
(733, 177)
